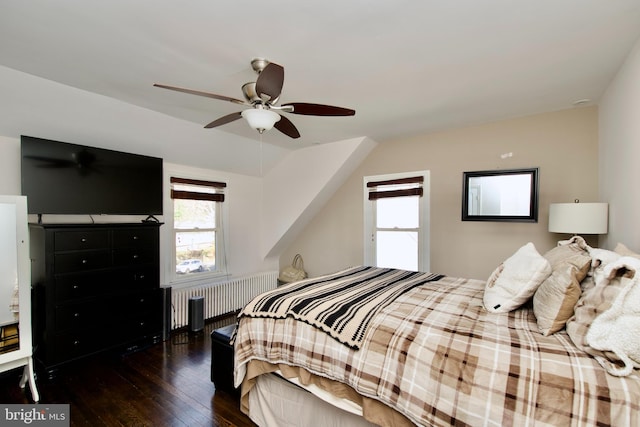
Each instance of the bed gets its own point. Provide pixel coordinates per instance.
(390, 347)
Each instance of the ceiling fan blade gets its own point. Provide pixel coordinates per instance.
(200, 93)
(270, 81)
(224, 120)
(318, 109)
(285, 126)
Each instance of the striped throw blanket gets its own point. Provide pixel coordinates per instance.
(341, 304)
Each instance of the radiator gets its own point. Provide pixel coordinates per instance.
(222, 297)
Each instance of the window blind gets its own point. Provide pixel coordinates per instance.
(195, 189)
(402, 187)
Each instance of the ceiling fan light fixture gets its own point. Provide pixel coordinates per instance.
(260, 119)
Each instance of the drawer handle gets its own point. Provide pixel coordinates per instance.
(83, 240)
(76, 342)
(76, 287)
(84, 261)
(135, 256)
(141, 323)
(76, 315)
(135, 237)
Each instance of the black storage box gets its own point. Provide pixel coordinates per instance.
(222, 359)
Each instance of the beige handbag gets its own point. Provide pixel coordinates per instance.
(294, 272)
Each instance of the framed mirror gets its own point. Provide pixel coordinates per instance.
(500, 195)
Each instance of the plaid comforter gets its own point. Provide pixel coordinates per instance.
(437, 357)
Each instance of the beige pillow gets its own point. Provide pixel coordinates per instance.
(556, 297)
(576, 240)
(572, 254)
(625, 251)
(515, 280)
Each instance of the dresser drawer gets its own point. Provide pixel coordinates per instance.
(141, 302)
(135, 238)
(106, 310)
(77, 343)
(136, 277)
(133, 256)
(146, 277)
(71, 286)
(80, 240)
(82, 285)
(81, 261)
(78, 316)
(141, 326)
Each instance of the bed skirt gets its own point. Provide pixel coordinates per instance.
(372, 410)
(275, 402)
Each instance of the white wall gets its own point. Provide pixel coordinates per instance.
(9, 166)
(619, 155)
(301, 184)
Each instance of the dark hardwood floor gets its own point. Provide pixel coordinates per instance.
(167, 384)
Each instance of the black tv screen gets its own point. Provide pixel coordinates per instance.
(63, 178)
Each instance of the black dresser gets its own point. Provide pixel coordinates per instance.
(95, 287)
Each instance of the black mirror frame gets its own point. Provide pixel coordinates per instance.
(533, 205)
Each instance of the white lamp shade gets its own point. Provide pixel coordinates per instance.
(579, 218)
(261, 119)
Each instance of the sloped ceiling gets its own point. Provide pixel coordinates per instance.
(406, 67)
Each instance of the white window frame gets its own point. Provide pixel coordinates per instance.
(169, 233)
(424, 256)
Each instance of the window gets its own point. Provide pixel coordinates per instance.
(396, 221)
(197, 220)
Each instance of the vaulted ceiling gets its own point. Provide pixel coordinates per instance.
(406, 67)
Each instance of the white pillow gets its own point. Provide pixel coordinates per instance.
(516, 280)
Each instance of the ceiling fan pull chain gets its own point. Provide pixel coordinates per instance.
(261, 158)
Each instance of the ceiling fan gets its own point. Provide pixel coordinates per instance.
(262, 95)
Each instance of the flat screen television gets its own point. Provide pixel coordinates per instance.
(63, 178)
